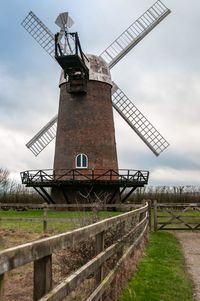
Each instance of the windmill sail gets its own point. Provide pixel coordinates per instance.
(137, 121)
(40, 33)
(43, 137)
(135, 33)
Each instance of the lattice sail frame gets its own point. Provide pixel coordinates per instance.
(137, 121)
(115, 52)
(43, 137)
(135, 33)
(38, 30)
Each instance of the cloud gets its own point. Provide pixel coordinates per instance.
(26, 102)
(26, 106)
(16, 157)
(172, 176)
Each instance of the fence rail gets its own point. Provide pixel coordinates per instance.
(134, 224)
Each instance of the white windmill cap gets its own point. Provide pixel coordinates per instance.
(64, 20)
(98, 70)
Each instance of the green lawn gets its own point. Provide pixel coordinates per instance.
(74, 220)
(161, 273)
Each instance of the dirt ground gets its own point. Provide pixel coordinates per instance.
(190, 243)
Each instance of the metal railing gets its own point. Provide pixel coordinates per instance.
(52, 175)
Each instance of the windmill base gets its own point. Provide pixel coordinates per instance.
(86, 194)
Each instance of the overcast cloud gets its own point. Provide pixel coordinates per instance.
(161, 76)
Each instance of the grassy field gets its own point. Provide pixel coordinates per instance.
(74, 219)
(161, 274)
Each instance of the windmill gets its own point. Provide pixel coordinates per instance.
(85, 154)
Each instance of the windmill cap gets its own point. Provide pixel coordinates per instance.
(98, 70)
(64, 20)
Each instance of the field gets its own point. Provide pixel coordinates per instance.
(59, 221)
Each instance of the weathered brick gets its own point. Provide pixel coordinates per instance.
(85, 125)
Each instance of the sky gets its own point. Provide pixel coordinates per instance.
(160, 75)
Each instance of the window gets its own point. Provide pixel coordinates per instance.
(81, 161)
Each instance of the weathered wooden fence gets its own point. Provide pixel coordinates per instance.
(176, 216)
(134, 225)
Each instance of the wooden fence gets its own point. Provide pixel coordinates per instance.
(176, 216)
(133, 225)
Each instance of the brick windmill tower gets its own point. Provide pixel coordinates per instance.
(85, 161)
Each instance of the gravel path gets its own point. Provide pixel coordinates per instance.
(191, 248)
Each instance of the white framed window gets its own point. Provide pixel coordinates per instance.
(81, 161)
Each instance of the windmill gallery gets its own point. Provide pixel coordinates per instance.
(85, 161)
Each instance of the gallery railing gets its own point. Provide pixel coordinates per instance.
(51, 175)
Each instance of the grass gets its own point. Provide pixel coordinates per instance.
(74, 220)
(161, 273)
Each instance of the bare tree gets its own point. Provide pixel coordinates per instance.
(4, 179)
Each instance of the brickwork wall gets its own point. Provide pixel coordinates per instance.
(85, 125)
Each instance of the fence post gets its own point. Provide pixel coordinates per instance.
(2, 287)
(122, 230)
(45, 215)
(142, 215)
(155, 213)
(149, 214)
(99, 247)
(42, 277)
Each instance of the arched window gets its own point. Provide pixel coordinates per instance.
(81, 161)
